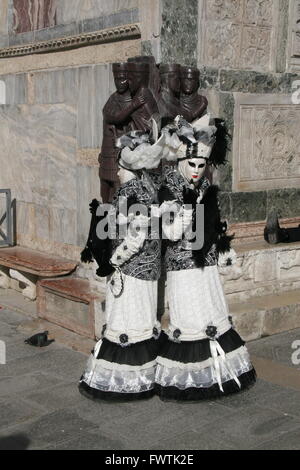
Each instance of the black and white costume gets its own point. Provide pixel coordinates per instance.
(123, 363)
(201, 356)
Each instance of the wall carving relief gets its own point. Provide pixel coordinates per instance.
(238, 33)
(266, 143)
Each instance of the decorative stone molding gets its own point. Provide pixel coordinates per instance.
(266, 143)
(130, 31)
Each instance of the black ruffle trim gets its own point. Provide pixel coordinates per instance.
(198, 351)
(94, 394)
(195, 394)
(135, 354)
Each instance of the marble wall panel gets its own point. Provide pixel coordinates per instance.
(16, 88)
(59, 86)
(76, 10)
(93, 94)
(31, 15)
(38, 154)
(3, 17)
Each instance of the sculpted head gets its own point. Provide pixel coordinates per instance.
(170, 77)
(138, 75)
(189, 78)
(121, 77)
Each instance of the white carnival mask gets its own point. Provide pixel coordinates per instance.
(192, 169)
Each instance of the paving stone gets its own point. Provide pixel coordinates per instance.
(251, 427)
(160, 422)
(287, 441)
(24, 384)
(54, 428)
(64, 363)
(277, 347)
(89, 442)
(57, 398)
(191, 441)
(16, 412)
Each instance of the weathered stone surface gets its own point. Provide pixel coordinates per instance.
(96, 54)
(293, 47)
(41, 142)
(289, 265)
(247, 207)
(93, 94)
(224, 199)
(266, 144)
(237, 35)
(285, 201)
(34, 262)
(209, 77)
(16, 88)
(265, 267)
(75, 10)
(179, 31)
(3, 17)
(261, 270)
(59, 86)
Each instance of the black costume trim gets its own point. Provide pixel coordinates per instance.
(198, 351)
(95, 394)
(213, 228)
(195, 394)
(135, 354)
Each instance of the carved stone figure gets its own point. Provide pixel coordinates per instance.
(116, 122)
(169, 97)
(193, 105)
(138, 78)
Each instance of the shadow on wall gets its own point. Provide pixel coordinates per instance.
(14, 442)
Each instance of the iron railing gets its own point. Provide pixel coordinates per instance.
(6, 238)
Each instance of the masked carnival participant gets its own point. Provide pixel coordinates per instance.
(122, 365)
(202, 356)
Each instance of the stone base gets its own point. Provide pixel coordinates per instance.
(71, 303)
(267, 315)
(262, 269)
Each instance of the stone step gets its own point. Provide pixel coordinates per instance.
(267, 315)
(72, 304)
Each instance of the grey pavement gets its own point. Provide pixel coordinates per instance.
(41, 408)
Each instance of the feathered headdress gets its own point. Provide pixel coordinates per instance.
(141, 151)
(205, 138)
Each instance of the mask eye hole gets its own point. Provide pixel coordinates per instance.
(193, 165)
(202, 165)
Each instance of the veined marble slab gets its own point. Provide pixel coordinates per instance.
(59, 86)
(38, 154)
(30, 15)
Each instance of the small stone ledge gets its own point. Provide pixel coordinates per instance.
(130, 31)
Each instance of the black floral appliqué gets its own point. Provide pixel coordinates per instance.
(123, 339)
(176, 333)
(211, 331)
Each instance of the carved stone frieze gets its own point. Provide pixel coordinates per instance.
(266, 143)
(238, 33)
(130, 31)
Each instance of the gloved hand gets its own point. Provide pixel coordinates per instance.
(228, 258)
